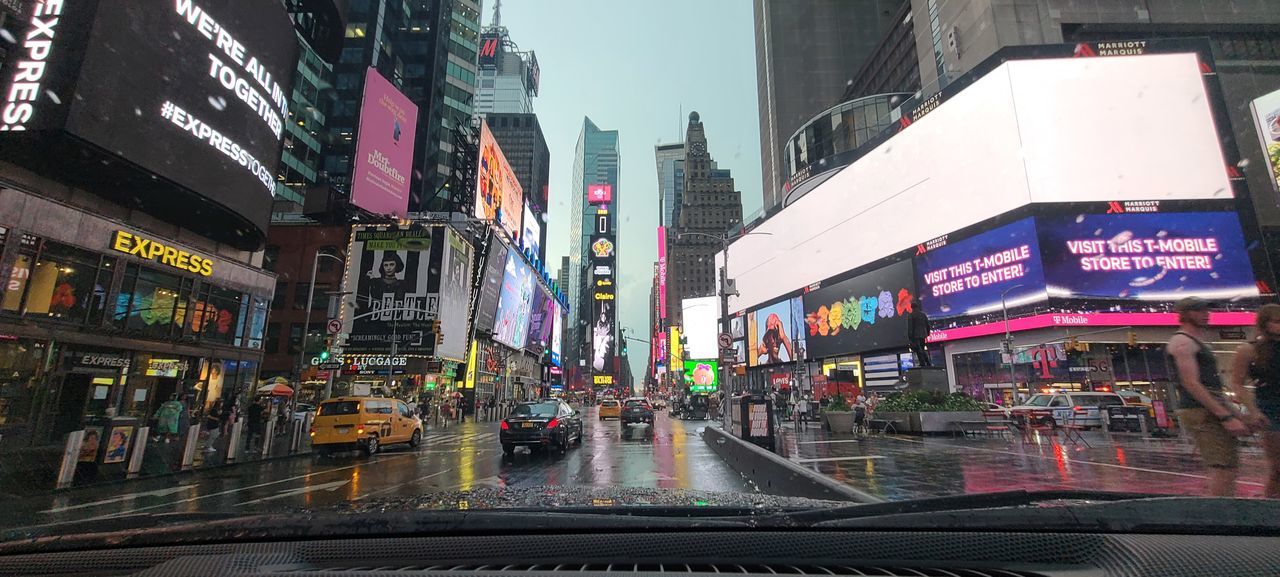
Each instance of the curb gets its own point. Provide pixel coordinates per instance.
(114, 482)
(778, 475)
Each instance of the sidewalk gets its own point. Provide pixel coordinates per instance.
(898, 467)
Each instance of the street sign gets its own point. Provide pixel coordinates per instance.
(335, 326)
(329, 366)
(728, 355)
(725, 340)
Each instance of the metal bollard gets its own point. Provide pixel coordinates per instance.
(295, 435)
(70, 457)
(189, 451)
(267, 436)
(233, 444)
(139, 450)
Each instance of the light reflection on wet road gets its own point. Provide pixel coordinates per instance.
(461, 458)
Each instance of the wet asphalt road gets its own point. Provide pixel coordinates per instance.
(454, 461)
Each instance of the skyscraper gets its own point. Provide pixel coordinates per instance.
(806, 52)
(709, 206)
(508, 77)
(407, 42)
(670, 161)
(595, 163)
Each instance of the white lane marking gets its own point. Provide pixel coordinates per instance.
(239, 489)
(1047, 458)
(126, 497)
(394, 487)
(332, 486)
(826, 442)
(825, 459)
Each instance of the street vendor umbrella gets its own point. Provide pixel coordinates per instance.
(276, 390)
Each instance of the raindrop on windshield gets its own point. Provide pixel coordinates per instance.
(218, 102)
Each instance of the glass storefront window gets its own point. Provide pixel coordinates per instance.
(151, 303)
(20, 372)
(58, 281)
(258, 322)
(214, 316)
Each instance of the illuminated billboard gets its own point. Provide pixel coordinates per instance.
(662, 272)
(1146, 256)
(531, 233)
(515, 302)
(557, 332)
(701, 321)
(702, 376)
(970, 276)
(1027, 132)
(776, 333)
(864, 313)
(499, 196)
(194, 92)
(599, 193)
(1266, 118)
(388, 279)
(384, 148)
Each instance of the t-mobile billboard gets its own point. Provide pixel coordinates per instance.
(1148, 256)
(384, 148)
(970, 276)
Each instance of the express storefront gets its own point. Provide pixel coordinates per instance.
(181, 322)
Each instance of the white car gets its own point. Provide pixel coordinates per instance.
(1080, 408)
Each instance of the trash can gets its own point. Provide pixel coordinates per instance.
(749, 417)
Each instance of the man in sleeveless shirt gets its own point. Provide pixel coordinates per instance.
(1213, 423)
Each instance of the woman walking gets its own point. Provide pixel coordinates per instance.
(1258, 363)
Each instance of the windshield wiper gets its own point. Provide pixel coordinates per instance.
(1060, 511)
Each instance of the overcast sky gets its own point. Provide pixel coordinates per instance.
(639, 67)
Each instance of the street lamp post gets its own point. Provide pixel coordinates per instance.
(1008, 341)
(722, 289)
(306, 323)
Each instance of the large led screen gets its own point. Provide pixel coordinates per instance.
(491, 289)
(1147, 256)
(499, 196)
(1266, 118)
(455, 295)
(557, 334)
(384, 148)
(531, 235)
(968, 277)
(776, 333)
(389, 277)
(1031, 131)
(702, 376)
(701, 322)
(194, 91)
(540, 320)
(865, 313)
(518, 285)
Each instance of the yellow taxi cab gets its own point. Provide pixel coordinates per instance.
(364, 423)
(610, 408)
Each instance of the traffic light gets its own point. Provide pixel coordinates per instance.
(435, 328)
(1072, 344)
(323, 356)
(1133, 338)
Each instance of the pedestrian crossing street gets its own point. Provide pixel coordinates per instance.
(446, 437)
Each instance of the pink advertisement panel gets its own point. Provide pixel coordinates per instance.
(1085, 320)
(662, 272)
(384, 149)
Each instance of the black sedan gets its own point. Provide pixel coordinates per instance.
(548, 423)
(636, 410)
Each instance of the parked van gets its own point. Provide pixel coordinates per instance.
(1080, 408)
(364, 423)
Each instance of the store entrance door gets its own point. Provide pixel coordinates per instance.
(70, 406)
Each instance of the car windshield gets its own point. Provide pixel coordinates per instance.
(367, 256)
(1039, 401)
(537, 410)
